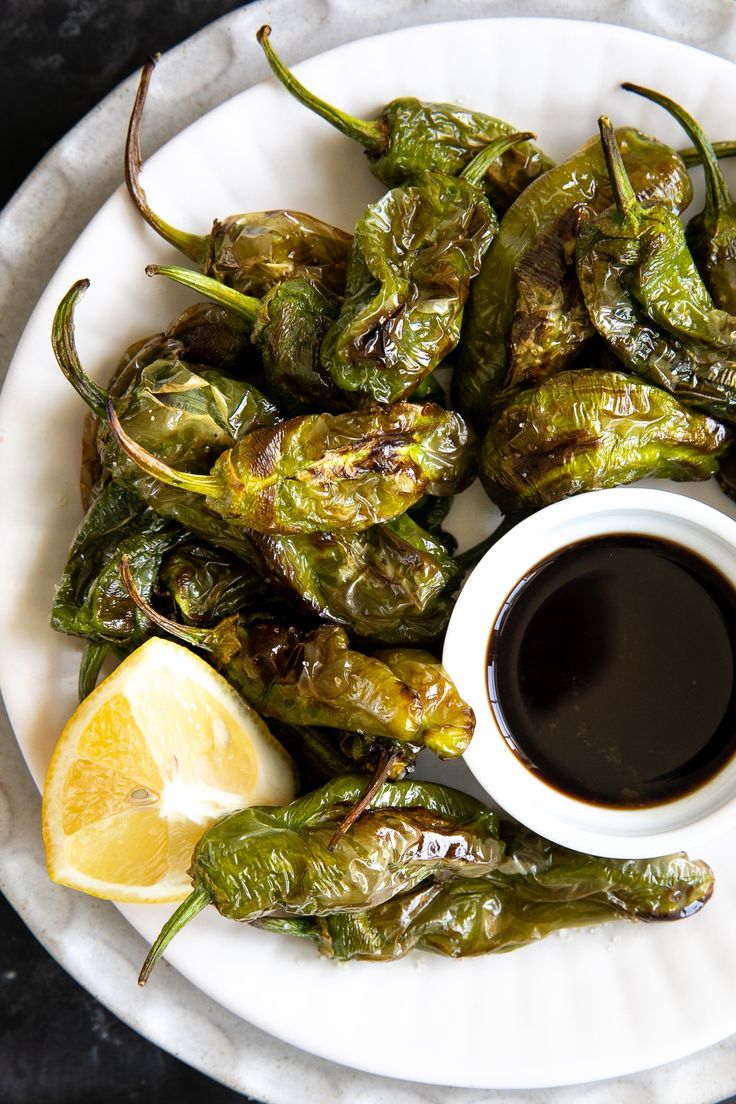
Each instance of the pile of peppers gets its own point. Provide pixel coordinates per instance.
(268, 478)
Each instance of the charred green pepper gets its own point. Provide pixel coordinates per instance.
(585, 430)
(90, 599)
(647, 300)
(711, 234)
(287, 327)
(390, 583)
(276, 860)
(543, 315)
(325, 473)
(250, 252)
(206, 410)
(537, 888)
(412, 136)
(414, 254)
(313, 677)
(205, 583)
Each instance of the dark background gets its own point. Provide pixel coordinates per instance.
(58, 58)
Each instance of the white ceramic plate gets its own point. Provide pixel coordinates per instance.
(586, 1005)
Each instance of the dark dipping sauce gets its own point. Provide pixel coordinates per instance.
(611, 670)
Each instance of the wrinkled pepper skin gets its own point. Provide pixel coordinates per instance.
(206, 584)
(711, 234)
(414, 254)
(90, 599)
(204, 334)
(390, 583)
(265, 860)
(288, 326)
(537, 888)
(645, 297)
(556, 205)
(250, 252)
(584, 430)
(327, 473)
(411, 136)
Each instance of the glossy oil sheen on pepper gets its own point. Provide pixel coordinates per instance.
(611, 670)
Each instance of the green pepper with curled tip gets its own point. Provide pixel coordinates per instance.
(204, 334)
(537, 888)
(411, 136)
(205, 410)
(251, 252)
(711, 234)
(323, 472)
(265, 861)
(647, 300)
(584, 430)
(414, 254)
(522, 298)
(314, 677)
(391, 583)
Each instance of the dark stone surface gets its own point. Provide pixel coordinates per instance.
(58, 58)
(60, 1046)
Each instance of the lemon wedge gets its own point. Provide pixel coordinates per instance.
(157, 752)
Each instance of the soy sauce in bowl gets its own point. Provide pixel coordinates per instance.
(612, 670)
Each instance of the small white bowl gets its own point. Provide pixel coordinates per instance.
(675, 825)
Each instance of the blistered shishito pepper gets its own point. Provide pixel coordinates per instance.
(544, 319)
(647, 300)
(412, 136)
(711, 234)
(188, 415)
(264, 861)
(287, 327)
(537, 888)
(251, 252)
(204, 334)
(90, 599)
(414, 254)
(204, 583)
(390, 583)
(327, 472)
(314, 677)
(584, 430)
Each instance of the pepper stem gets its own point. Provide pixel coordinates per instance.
(194, 246)
(151, 465)
(370, 134)
(186, 911)
(717, 195)
(476, 169)
(197, 637)
(65, 351)
(382, 772)
(623, 190)
(691, 156)
(93, 656)
(244, 306)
